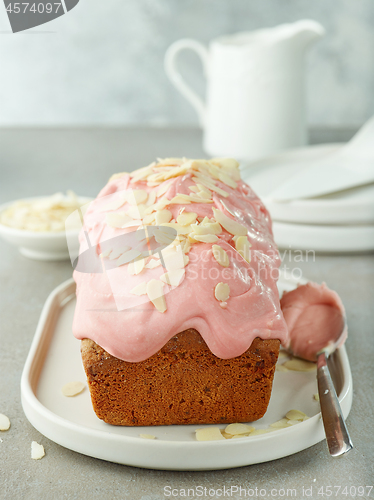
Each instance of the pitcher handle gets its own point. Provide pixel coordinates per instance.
(170, 63)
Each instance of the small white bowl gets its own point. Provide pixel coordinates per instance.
(43, 245)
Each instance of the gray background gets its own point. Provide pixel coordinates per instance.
(102, 63)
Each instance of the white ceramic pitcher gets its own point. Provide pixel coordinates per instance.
(255, 102)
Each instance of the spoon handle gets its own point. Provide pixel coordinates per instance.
(337, 436)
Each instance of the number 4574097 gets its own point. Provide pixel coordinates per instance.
(23, 7)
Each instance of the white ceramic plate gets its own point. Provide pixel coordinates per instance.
(347, 207)
(41, 245)
(334, 239)
(54, 360)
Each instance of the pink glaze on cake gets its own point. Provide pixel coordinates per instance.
(229, 327)
(315, 318)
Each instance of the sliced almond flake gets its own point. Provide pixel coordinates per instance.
(153, 263)
(223, 305)
(300, 365)
(173, 258)
(175, 172)
(132, 223)
(199, 199)
(136, 211)
(209, 434)
(316, 396)
(221, 256)
(171, 161)
(140, 289)
(204, 195)
(180, 199)
(186, 246)
(210, 186)
(163, 238)
(178, 227)
(206, 228)
(222, 292)
(137, 196)
(226, 436)
(280, 424)
(4, 422)
(296, 415)
(163, 216)
(147, 436)
(205, 190)
(173, 278)
(258, 432)
(116, 203)
(118, 252)
(136, 267)
(37, 451)
(117, 176)
(163, 188)
(214, 171)
(72, 389)
(128, 257)
(194, 189)
(229, 224)
(234, 429)
(160, 205)
(226, 179)
(243, 247)
(229, 165)
(293, 422)
(205, 238)
(156, 295)
(143, 170)
(151, 198)
(117, 219)
(186, 218)
(149, 219)
(186, 260)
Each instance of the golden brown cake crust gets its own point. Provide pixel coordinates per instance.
(183, 383)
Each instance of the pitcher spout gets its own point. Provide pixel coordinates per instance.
(307, 31)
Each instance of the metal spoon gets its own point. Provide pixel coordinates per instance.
(337, 435)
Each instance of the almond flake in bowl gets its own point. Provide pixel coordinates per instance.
(37, 225)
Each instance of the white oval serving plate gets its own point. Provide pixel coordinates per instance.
(54, 360)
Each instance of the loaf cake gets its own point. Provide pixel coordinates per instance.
(180, 324)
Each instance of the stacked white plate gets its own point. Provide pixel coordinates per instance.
(339, 222)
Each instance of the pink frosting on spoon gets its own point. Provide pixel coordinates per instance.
(136, 333)
(315, 318)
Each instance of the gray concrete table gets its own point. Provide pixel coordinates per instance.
(43, 161)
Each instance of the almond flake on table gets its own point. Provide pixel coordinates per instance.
(4, 422)
(37, 451)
